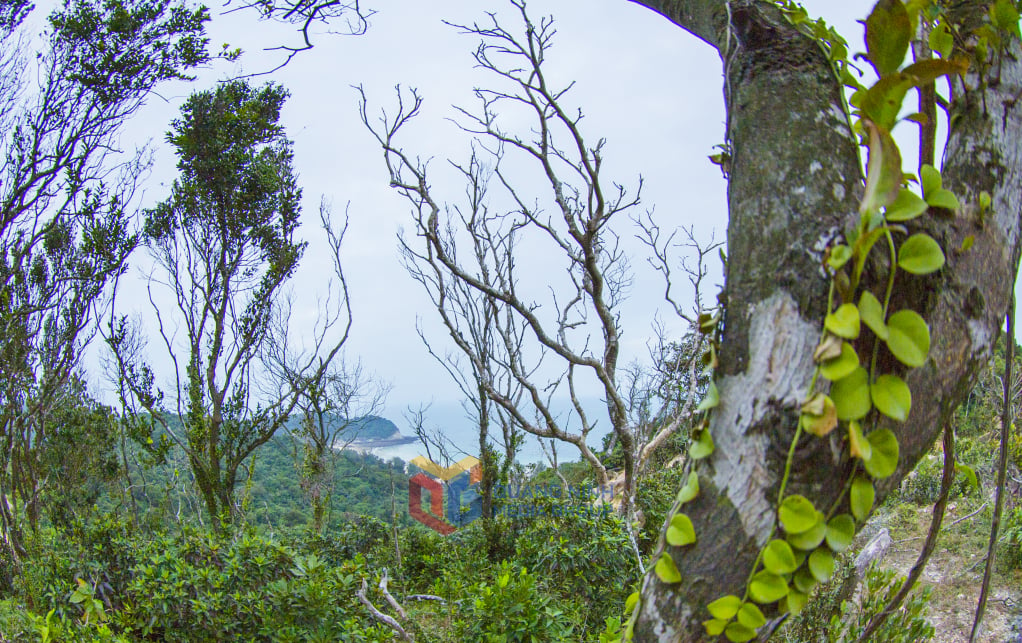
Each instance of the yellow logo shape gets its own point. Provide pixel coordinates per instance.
(445, 473)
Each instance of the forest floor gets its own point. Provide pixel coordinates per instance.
(955, 570)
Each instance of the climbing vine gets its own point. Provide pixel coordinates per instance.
(850, 390)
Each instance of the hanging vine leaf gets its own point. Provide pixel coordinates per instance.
(930, 180)
(804, 580)
(941, 41)
(821, 564)
(892, 397)
(883, 178)
(908, 338)
(797, 514)
(751, 617)
(843, 365)
(851, 395)
(861, 498)
(738, 633)
(810, 539)
(944, 198)
(714, 627)
(711, 400)
(871, 311)
(839, 256)
(766, 588)
(907, 206)
(690, 490)
(819, 415)
(843, 322)
(888, 31)
(1005, 16)
(840, 532)
(778, 558)
(702, 446)
(680, 532)
(631, 602)
(857, 442)
(725, 607)
(885, 453)
(795, 601)
(666, 570)
(920, 255)
(882, 102)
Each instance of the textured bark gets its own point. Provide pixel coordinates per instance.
(794, 186)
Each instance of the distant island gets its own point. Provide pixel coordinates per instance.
(362, 434)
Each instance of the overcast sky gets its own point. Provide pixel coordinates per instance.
(647, 87)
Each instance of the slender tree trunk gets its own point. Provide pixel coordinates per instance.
(795, 184)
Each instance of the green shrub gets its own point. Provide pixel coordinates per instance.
(200, 587)
(832, 617)
(570, 549)
(513, 609)
(907, 625)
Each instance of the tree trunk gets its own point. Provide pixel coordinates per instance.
(795, 184)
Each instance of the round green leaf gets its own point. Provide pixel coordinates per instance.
(715, 627)
(930, 179)
(767, 588)
(690, 490)
(840, 532)
(920, 255)
(908, 338)
(811, 539)
(797, 514)
(906, 206)
(861, 498)
(738, 633)
(885, 453)
(871, 311)
(681, 532)
(839, 256)
(751, 617)
(795, 601)
(702, 446)
(851, 395)
(778, 558)
(631, 602)
(944, 198)
(821, 564)
(843, 365)
(711, 400)
(892, 397)
(725, 607)
(666, 570)
(843, 322)
(803, 580)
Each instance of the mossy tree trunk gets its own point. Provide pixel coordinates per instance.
(794, 186)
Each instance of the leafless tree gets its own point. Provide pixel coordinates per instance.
(527, 351)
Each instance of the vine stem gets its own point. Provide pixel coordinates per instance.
(1002, 469)
(790, 459)
(887, 305)
(939, 509)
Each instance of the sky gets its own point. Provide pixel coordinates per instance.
(646, 86)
